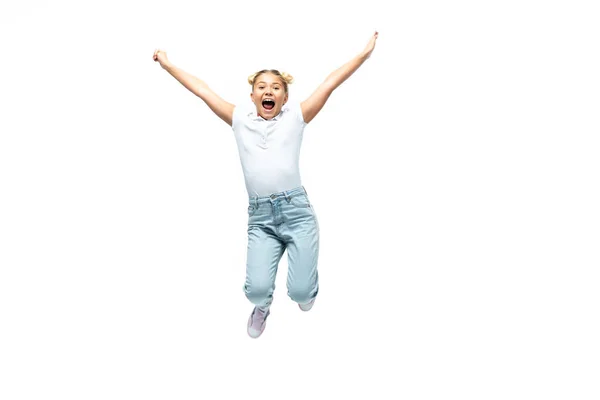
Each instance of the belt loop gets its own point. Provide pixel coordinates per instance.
(287, 196)
(256, 201)
(305, 192)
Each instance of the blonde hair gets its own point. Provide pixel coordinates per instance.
(285, 77)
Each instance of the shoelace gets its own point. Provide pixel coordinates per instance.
(262, 316)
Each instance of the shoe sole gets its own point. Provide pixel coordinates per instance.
(310, 306)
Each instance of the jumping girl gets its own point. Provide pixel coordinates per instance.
(280, 215)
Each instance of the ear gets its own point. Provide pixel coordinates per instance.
(252, 96)
(285, 99)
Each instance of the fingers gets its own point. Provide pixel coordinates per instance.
(156, 54)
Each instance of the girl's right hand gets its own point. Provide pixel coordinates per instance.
(161, 57)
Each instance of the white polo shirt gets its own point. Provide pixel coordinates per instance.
(269, 149)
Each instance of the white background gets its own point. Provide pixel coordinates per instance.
(455, 176)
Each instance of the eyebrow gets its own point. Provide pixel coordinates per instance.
(263, 82)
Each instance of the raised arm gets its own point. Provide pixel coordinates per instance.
(223, 109)
(316, 101)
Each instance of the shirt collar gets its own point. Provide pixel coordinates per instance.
(255, 117)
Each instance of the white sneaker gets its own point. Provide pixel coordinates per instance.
(307, 306)
(257, 322)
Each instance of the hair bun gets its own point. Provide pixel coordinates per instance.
(287, 77)
(252, 77)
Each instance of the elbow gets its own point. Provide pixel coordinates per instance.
(329, 86)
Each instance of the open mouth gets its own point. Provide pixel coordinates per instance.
(268, 104)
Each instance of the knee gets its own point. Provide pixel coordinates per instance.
(302, 293)
(258, 291)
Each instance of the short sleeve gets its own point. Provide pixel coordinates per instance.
(296, 109)
(235, 118)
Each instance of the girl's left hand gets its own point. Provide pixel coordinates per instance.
(371, 45)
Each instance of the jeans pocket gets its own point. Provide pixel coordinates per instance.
(300, 200)
(251, 210)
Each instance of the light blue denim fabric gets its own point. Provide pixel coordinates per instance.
(281, 221)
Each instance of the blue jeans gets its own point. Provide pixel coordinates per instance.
(280, 221)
